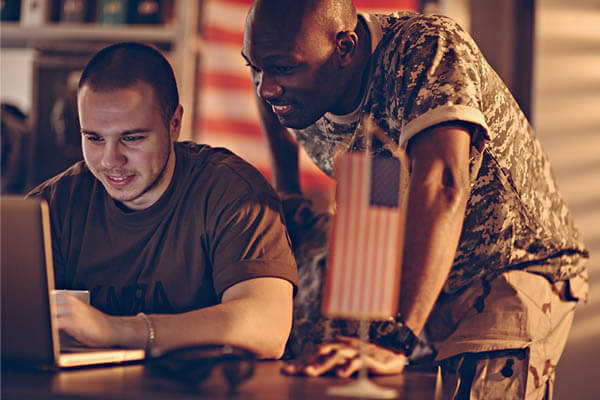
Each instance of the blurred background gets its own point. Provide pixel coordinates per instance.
(547, 51)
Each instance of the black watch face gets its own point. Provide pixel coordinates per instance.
(385, 328)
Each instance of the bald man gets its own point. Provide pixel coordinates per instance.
(493, 264)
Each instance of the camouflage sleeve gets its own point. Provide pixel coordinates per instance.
(440, 70)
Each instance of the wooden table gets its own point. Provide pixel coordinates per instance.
(134, 382)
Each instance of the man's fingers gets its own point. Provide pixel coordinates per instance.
(290, 369)
(294, 367)
(326, 364)
(337, 347)
(348, 340)
(297, 366)
(350, 368)
(326, 358)
(387, 366)
(342, 357)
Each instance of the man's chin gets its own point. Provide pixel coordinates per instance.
(120, 195)
(295, 123)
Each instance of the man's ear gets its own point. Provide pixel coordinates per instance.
(175, 123)
(346, 44)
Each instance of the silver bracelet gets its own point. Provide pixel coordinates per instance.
(151, 334)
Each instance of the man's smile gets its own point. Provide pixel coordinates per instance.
(282, 109)
(119, 181)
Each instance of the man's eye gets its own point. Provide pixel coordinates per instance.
(93, 138)
(132, 138)
(283, 69)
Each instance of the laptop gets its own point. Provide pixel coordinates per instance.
(30, 335)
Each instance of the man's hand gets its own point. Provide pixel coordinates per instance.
(342, 357)
(83, 322)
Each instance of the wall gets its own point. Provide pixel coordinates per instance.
(566, 115)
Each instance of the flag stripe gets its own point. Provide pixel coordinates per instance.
(377, 268)
(369, 267)
(225, 81)
(230, 127)
(396, 221)
(350, 239)
(218, 34)
(358, 235)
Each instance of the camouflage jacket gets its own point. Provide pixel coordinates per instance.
(426, 70)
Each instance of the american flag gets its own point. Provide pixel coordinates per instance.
(363, 273)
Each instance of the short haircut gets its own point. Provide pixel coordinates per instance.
(123, 65)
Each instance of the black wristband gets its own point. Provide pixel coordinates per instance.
(395, 335)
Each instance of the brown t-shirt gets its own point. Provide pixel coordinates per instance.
(217, 224)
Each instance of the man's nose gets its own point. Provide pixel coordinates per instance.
(112, 156)
(268, 88)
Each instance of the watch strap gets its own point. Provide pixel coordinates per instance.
(395, 335)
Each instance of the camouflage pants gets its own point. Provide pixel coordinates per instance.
(502, 339)
(494, 340)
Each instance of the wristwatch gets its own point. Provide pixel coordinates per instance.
(393, 334)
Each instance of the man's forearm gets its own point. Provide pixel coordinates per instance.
(437, 199)
(261, 324)
(243, 322)
(433, 226)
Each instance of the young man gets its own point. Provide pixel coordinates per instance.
(492, 264)
(179, 243)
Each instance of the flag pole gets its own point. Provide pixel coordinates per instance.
(362, 349)
(363, 387)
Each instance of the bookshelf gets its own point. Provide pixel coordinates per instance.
(14, 35)
(177, 36)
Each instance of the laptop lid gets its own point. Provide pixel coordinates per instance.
(29, 331)
(27, 273)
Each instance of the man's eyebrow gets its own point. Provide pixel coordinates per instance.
(134, 131)
(124, 133)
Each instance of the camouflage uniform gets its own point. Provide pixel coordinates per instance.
(425, 70)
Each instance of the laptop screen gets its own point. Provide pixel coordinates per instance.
(27, 278)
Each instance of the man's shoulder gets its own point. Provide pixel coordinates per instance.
(418, 35)
(200, 154)
(75, 175)
(401, 21)
(222, 167)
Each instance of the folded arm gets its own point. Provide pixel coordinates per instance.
(255, 314)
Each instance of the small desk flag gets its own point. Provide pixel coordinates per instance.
(364, 265)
